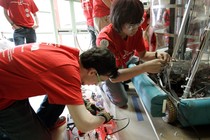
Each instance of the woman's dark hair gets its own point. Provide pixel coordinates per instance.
(126, 11)
(100, 59)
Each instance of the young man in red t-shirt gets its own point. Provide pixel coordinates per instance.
(54, 70)
(124, 38)
(21, 14)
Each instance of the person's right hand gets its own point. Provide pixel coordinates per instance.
(154, 66)
(14, 27)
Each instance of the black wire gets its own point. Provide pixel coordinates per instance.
(71, 126)
(120, 128)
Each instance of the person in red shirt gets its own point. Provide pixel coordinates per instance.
(19, 15)
(56, 71)
(166, 17)
(149, 35)
(123, 37)
(87, 6)
(101, 12)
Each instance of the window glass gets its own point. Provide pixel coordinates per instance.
(64, 29)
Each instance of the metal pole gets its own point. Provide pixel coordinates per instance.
(203, 45)
(74, 29)
(54, 21)
(182, 29)
(171, 27)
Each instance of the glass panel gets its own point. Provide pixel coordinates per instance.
(65, 15)
(188, 75)
(76, 38)
(5, 27)
(81, 41)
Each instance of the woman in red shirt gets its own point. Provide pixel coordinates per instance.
(124, 38)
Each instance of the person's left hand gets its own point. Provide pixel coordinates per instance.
(164, 56)
(35, 27)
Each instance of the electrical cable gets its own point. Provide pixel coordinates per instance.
(78, 45)
(122, 127)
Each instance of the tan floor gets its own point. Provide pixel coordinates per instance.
(139, 128)
(142, 126)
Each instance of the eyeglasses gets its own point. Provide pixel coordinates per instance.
(99, 78)
(134, 26)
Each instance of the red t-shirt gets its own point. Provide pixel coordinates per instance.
(145, 24)
(20, 12)
(100, 9)
(122, 49)
(87, 6)
(166, 17)
(38, 69)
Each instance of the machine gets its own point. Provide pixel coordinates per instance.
(181, 91)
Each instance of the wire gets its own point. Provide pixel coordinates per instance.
(78, 44)
(120, 128)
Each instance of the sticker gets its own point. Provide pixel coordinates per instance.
(26, 10)
(104, 43)
(34, 47)
(27, 15)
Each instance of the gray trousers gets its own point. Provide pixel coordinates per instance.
(20, 122)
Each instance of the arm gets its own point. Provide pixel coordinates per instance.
(36, 24)
(107, 3)
(14, 26)
(83, 119)
(154, 55)
(153, 66)
(156, 61)
(7, 17)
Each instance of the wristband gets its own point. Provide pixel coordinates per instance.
(156, 54)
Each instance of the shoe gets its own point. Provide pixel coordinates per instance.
(124, 107)
(125, 84)
(61, 121)
(3, 136)
(126, 87)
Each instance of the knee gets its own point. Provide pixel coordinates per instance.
(122, 103)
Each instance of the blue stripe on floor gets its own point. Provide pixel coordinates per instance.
(137, 108)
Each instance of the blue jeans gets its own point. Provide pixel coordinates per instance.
(24, 35)
(20, 122)
(49, 113)
(115, 91)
